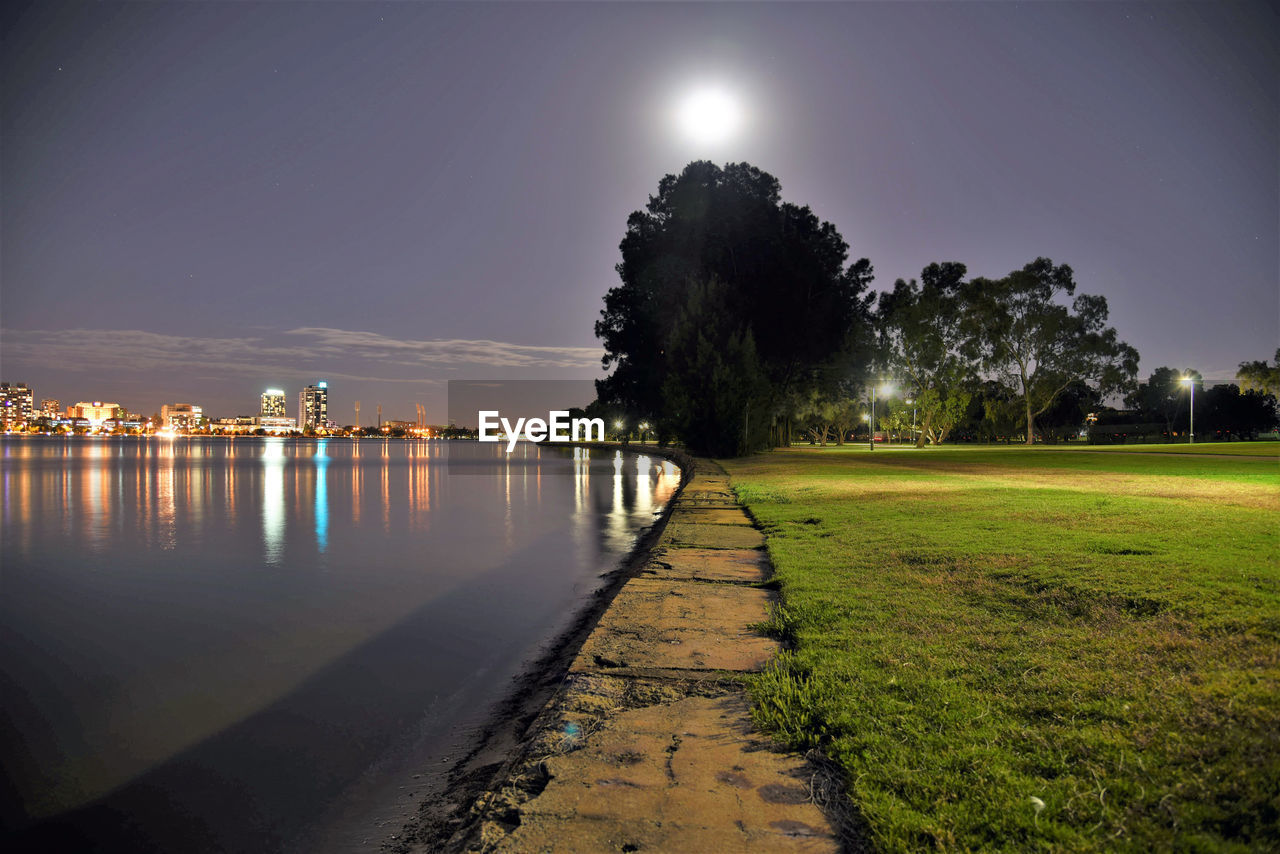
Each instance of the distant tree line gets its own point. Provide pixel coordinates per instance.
(740, 322)
(1163, 405)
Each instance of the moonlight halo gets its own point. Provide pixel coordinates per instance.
(709, 114)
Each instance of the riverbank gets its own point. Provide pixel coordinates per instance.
(444, 799)
(635, 733)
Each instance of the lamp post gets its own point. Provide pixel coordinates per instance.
(886, 388)
(912, 402)
(871, 422)
(1191, 384)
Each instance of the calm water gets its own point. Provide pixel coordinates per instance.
(255, 644)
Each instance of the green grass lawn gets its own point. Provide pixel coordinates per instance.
(1022, 649)
(1233, 449)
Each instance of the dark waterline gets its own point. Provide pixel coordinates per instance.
(264, 645)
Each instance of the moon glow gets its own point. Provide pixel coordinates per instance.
(709, 115)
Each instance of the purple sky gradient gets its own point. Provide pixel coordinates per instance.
(200, 201)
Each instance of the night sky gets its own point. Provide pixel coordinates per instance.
(200, 201)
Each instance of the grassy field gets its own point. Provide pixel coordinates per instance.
(1025, 649)
(1231, 449)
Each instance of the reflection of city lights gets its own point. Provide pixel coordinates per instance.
(273, 500)
(322, 496)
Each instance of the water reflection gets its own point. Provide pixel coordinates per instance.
(321, 460)
(186, 641)
(167, 525)
(273, 500)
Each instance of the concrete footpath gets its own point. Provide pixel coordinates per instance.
(649, 744)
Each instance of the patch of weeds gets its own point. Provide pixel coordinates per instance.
(1118, 550)
(787, 702)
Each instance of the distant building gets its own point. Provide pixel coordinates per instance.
(239, 424)
(127, 423)
(275, 423)
(313, 406)
(273, 403)
(15, 404)
(51, 408)
(181, 416)
(96, 412)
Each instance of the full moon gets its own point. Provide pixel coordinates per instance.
(709, 115)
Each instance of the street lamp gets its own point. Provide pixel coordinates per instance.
(886, 388)
(911, 401)
(1191, 384)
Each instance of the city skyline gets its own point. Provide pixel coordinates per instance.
(203, 201)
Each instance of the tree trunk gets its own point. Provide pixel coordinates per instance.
(1031, 425)
(925, 427)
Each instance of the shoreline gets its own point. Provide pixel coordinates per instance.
(636, 732)
(444, 803)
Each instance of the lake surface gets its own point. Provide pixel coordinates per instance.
(256, 644)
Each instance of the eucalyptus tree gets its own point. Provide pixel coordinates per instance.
(1020, 333)
(921, 336)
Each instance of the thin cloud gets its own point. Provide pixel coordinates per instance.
(448, 351)
(310, 350)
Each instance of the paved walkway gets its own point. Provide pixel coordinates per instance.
(649, 745)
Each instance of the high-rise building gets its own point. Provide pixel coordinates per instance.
(313, 406)
(51, 408)
(273, 403)
(15, 404)
(181, 416)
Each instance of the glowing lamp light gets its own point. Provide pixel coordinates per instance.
(1189, 382)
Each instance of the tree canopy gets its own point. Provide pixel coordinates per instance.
(1259, 376)
(921, 335)
(783, 297)
(1020, 332)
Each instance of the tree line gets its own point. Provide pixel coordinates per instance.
(741, 323)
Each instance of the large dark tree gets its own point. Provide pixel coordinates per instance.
(714, 387)
(1021, 333)
(921, 336)
(785, 285)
